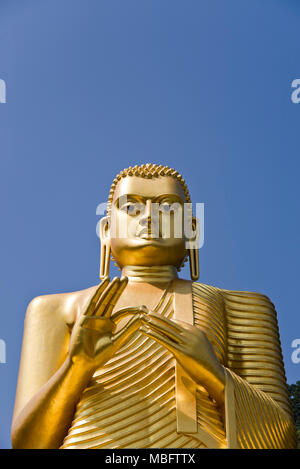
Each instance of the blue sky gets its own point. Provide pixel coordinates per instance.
(95, 86)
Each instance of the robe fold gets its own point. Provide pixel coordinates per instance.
(131, 402)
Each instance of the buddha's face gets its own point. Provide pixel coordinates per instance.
(147, 225)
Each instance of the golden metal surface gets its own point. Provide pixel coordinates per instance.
(150, 360)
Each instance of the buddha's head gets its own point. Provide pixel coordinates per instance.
(148, 213)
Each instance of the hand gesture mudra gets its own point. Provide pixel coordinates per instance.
(93, 340)
(191, 349)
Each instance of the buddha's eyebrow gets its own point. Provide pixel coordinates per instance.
(171, 197)
(129, 197)
(142, 198)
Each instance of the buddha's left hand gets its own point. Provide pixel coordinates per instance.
(192, 350)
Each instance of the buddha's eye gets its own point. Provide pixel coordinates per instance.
(167, 207)
(132, 208)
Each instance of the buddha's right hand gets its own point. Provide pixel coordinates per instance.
(93, 341)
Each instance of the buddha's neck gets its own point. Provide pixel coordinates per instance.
(154, 274)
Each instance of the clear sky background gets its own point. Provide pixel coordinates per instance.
(94, 86)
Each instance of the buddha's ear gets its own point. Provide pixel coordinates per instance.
(104, 229)
(196, 228)
(192, 241)
(104, 232)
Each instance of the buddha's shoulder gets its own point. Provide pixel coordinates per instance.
(235, 299)
(64, 305)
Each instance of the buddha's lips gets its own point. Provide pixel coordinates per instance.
(145, 233)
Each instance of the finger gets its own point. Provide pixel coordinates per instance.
(155, 325)
(184, 325)
(115, 297)
(179, 326)
(96, 296)
(175, 325)
(97, 323)
(124, 334)
(123, 312)
(106, 296)
(160, 338)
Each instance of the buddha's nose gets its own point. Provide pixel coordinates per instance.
(148, 209)
(146, 218)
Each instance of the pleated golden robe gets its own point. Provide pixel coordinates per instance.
(131, 401)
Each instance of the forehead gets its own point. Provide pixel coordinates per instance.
(149, 187)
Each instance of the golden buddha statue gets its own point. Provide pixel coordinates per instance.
(149, 360)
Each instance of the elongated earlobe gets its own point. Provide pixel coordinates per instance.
(194, 263)
(193, 251)
(105, 248)
(104, 260)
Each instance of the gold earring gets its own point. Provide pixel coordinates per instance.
(105, 247)
(104, 259)
(193, 251)
(194, 263)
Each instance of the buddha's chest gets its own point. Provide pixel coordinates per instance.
(130, 402)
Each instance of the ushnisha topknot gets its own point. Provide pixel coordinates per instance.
(148, 170)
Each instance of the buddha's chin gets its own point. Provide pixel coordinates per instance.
(148, 252)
